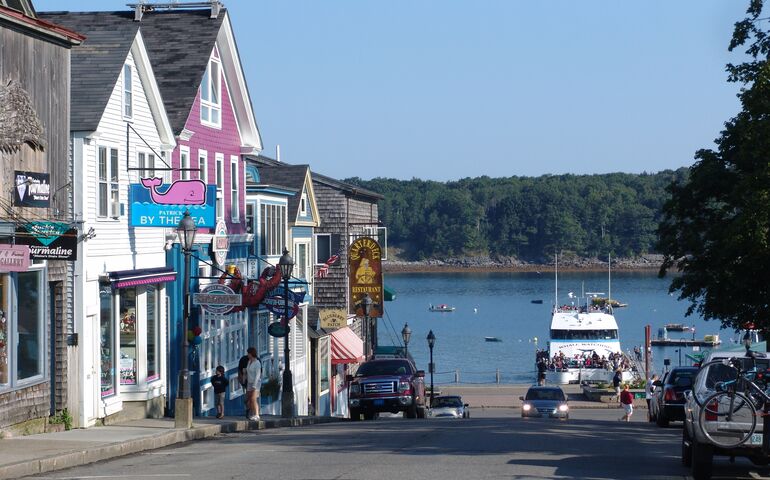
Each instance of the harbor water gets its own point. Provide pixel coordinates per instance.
(502, 305)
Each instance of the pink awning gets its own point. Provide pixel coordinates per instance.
(346, 346)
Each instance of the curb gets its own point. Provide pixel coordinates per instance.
(77, 458)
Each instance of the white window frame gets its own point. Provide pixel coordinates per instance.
(220, 179)
(235, 197)
(110, 198)
(203, 165)
(251, 217)
(303, 270)
(128, 91)
(317, 251)
(146, 161)
(211, 106)
(272, 228)
(9, 304)
(303, 204)
(184, 162)
(381, 235)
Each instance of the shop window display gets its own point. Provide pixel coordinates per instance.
(106, 340)
(3, 333)
(128, 336)
(152, 334)
(29, 326)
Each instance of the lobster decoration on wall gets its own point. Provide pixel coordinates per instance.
(254, 291)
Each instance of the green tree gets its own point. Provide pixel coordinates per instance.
(715, 228)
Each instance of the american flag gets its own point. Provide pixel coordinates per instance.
(323, 271)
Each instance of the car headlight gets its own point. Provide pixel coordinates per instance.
(526, 407)
(355, 389)
(563, 408)
(403, 387)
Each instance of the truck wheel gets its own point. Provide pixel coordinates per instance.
(370, 415)
(686, 448)
(355, 414)
(702, 459)
(661, 420)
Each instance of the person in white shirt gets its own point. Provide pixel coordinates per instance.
(648, 395)
(253, 383)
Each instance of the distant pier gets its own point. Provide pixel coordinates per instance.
(684, 342)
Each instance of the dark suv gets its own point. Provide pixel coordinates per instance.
(387, 385)
(667, 402)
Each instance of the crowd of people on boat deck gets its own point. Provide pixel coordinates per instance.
(611, 362)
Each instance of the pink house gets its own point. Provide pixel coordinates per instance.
(199, 74)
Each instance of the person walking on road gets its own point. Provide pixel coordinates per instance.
(627, 400)
(616, 379)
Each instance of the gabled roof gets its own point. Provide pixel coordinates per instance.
(288, 175)
(27, 19)
(343, 186)
(97, 62)
(180, 43)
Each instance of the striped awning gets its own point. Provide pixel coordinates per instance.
(346, 346)
(144, 276)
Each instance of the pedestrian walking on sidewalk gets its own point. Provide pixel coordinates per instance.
(219, 382)
(242, 364)
(627, 400)
(253, 383)
(648, 392)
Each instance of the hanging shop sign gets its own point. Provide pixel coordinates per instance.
(49, 240)
(365, 267)
(277, 329)
(156, 205)
(276, 303)
(14, 258)
(217, 299)
(33, 189)
(220, 243)
(332, 318)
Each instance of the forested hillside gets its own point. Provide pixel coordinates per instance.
(525, 217)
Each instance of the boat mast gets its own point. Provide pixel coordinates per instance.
(556, 283)
(609, 279)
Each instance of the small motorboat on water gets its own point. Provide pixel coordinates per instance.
(441, 308)
(492, 339)
(539, 302)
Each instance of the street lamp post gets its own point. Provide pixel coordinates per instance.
(286, 264)
(183, 407)
(406, 334)
(431, 367)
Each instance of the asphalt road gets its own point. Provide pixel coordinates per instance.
(493, 444)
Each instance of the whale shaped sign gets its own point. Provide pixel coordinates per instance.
(154, 204)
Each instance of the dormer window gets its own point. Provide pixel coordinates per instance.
(127, 92)
(303, 205)
(211, 94)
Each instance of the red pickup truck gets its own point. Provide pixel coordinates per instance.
(387, 385)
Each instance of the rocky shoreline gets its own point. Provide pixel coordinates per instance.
(512, 264)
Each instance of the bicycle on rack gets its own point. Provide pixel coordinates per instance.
(728, 417)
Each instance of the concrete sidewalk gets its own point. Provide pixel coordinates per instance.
(47, 452)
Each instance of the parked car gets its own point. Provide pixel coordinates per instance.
(387, 385)
(451, 406)
(667, 402)
(542, 401)
(697, 451)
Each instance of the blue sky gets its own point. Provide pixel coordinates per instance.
(448, 89)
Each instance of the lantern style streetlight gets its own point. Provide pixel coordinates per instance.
(183, 407)
(406, 334)
(431, 342)
(286, 264)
